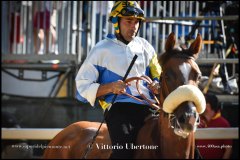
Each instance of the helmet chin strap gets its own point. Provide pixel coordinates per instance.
(140, 24)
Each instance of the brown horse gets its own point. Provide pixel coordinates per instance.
(168, 134)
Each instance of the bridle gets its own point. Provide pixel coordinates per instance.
(153, 105)
(164, 91)
(163, 82)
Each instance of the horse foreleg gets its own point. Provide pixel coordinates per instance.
(147, 141)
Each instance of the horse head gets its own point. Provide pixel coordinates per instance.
(179, 94)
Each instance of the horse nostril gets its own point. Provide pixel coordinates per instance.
(181, 119)
(189, 128)
(195, 115)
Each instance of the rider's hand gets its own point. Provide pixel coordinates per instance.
(154, 87)
(119, 87)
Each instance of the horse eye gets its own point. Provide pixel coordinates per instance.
(169, 74)
(166, 76)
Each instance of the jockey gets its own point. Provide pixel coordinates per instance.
(100, 77)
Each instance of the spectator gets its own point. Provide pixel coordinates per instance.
(103, 9)
(232, 36)
(15, 27)
(43, 24)
(211, 118)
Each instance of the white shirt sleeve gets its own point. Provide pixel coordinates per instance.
(86, 79)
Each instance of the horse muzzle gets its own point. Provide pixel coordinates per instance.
(185, 119)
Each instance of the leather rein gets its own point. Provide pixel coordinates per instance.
(154, 105)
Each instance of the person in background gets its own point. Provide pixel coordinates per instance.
(44, 22)
(15, 26)
(100, 76)
(102, 11)
(212, 118)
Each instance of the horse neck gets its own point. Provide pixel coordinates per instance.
(173, 146)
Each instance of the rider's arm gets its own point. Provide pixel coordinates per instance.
(87, 81)
(88, 87)
(114, 87)
(155, 70)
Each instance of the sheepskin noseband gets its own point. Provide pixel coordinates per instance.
(185, 93)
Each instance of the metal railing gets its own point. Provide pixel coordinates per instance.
(74, 27)
(33, 31)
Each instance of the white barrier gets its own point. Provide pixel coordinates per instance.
(48, 134)
(217, 133)
(30, 133)
(217, 60)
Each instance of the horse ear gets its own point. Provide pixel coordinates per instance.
(196, 45)
(171, 41)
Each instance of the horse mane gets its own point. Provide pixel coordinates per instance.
(182, 52)
(163, 58)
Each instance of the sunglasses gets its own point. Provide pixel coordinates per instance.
(130, 11)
